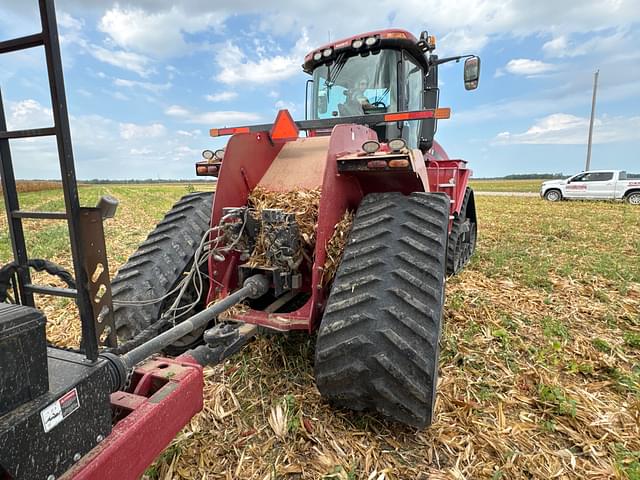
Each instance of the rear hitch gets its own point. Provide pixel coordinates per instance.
(222, 341)
(253, 287)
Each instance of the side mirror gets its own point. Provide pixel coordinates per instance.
(471, 73)
(322, 104)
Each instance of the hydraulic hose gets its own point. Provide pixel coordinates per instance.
(254, 287)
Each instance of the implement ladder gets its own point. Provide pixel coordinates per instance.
(93, 292)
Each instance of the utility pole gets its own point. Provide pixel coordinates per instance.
(593, 113)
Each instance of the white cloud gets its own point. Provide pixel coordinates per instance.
(461, 41)
(190, 133)
(119, 96)
(563, 47)
(67, 21)
(222, 96)
(119, 58)
(177, 111)
(156, 33)
(149, 86)
(236, 67)
(556, 47)
(212, 119)
(140, 151)
(282, 105)
(527, 67)
(28, 114)
(159, 27)
(565, 129)
(132, 130)
(103, 147)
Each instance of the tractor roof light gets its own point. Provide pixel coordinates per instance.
(400, 35)
(370, 146)
(371, 41)
(357, 43)
(397, 144)
(207, 155)
(326, 53)
(219, 154)
(317, 56)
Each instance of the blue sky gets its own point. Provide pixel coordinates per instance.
(146, 79)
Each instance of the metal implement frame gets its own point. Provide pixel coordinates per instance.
(24, 290)
(164, 395)
(328, 123)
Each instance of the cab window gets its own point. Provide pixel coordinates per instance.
(413, 98)
(357, 85)
(595, 177)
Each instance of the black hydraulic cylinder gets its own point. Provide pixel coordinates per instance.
(253, 287)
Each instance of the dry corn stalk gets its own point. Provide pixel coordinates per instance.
(303, 203)
(335, 247)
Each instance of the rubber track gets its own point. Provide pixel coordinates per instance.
(159, 262)
(456, 231)
(377, 346)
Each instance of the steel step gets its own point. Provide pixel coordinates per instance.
(35, 132)
(55, 291)
(21, 43)
(40, 215)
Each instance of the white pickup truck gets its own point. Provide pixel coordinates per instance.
(593, 185)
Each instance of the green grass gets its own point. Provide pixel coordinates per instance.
(141, 206)
(562, 403)
(506, 185)
(530, 240)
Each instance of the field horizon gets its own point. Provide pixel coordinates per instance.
(539, 365)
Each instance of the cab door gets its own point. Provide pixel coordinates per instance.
(412, 81)
(592, 185)
(576, 187)
(600, 185)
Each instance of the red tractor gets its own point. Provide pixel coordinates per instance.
(368, 170)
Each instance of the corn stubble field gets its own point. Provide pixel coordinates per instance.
(539, 368)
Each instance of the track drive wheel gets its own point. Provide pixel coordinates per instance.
(158, 265)
(377, 346)
(463, 236)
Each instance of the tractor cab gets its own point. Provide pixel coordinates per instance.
(378, 72)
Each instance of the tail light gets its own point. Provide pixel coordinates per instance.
(376, 164)
(399, 163)
(207, 170)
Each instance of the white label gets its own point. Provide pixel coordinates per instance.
(55, 413)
